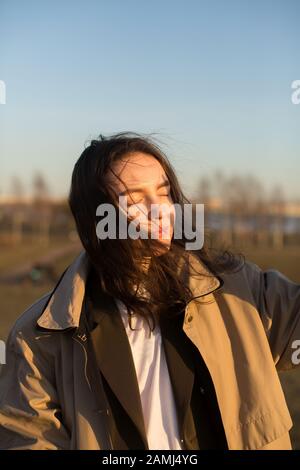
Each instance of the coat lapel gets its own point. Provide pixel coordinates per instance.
(114, 356)
(180, 365)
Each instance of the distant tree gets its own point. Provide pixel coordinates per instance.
(42, 206)
(204, 190)
(18, 211)
(17, 187)
(243, 206)
(277, 204)
(41, 190)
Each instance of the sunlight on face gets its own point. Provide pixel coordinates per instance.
(144, 183)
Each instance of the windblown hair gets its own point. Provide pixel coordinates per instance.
(119, 263)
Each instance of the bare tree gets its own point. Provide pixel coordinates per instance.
(277, 203)
(18, 210)
(17, 187)
(42, 206)
(204, 190)
(244, 207)
(40, 188)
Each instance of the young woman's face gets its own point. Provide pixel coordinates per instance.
(143, 182)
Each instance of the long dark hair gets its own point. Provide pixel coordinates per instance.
(118, 263)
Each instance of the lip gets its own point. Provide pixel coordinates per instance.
(161, 232)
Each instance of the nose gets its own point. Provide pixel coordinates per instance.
(149, 200)
(153, 210)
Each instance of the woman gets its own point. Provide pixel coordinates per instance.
(143, 343)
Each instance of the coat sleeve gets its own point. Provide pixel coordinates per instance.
(29, 407)
(278, 303)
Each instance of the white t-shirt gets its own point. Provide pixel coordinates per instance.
(156, 392)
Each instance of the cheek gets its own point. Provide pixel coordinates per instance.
(172, 215)
(137, 211)
(169, 216)
(167, 223)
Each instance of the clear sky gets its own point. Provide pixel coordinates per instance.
(213, 78)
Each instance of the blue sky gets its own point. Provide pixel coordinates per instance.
(212, 78)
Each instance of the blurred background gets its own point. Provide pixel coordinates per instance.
(212, 80)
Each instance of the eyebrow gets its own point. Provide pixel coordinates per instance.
(139, 189)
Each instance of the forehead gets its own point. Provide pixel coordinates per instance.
(136, 169)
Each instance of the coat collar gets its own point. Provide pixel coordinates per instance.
(64, 305)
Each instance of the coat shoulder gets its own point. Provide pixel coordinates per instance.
(244, 283)
(248, 273)
(25, 325)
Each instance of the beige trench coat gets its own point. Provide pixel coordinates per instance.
(244, 328)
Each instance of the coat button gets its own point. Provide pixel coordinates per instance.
(82, 337)
(106, 411)
(202, 390)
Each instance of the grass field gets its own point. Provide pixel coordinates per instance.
(15, 298)
(26, 252)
